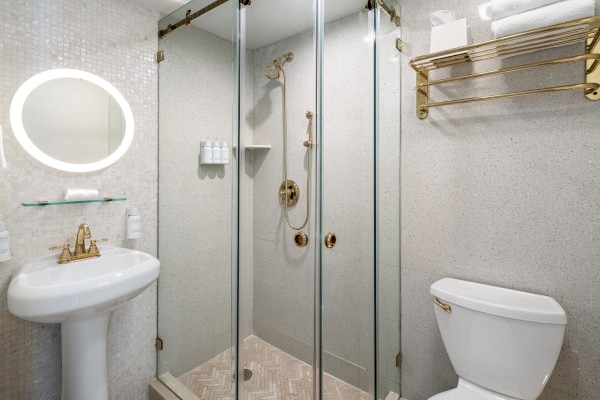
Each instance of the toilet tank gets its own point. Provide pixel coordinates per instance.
(502, 339)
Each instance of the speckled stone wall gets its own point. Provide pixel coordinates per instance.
(116, 41)
(503, 193)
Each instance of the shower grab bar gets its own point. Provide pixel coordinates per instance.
(586, 29)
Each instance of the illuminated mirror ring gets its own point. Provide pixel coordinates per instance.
(18, 126)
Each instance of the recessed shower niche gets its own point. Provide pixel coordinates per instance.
(298, 284)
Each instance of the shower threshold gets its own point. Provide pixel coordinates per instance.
(275, 375)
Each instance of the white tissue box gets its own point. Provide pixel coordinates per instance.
(450, 35)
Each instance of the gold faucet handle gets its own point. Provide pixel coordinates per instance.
(66, 254)
(57, 247)
(93, 250)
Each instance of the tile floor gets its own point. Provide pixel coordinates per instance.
(276, 375)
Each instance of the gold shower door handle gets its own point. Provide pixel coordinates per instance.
(330, 240)
(443, 306)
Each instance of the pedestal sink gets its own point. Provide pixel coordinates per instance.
(80, 296)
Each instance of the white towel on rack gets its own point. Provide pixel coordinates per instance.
(506, 8)
(552, 14)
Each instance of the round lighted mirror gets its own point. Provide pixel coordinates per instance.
(71, 120)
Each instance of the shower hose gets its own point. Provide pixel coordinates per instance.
(285, 165)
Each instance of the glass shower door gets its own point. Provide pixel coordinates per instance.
(197, 202)
(347, 209)
(277, 206)
(359, 192)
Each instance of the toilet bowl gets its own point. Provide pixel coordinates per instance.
(502, 343)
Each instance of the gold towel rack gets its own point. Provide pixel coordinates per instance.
(587, 29)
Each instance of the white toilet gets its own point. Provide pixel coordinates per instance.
(503, 343)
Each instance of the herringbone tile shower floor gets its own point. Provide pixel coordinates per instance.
(276, 375)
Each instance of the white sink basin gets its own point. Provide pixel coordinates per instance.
(45, 291)
(80, 296)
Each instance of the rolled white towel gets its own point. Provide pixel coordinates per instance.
(81, 194)
(556, 13)
(506, 8)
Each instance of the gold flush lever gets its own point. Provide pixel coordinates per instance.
(443, 306)
(330, 240)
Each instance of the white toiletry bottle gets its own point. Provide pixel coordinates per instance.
(216, 153)
(206, 152)
(224, 153)
(134, 223)
(4, 242)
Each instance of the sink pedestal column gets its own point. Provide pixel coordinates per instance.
(84, 359)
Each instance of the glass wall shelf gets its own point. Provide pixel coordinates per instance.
(57, 202)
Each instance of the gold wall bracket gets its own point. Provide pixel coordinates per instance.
(592, 72)
(584, 30)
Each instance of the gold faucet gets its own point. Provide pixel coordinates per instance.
(83, 232)
(80, 253)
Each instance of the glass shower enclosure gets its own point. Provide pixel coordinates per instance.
(280, 269)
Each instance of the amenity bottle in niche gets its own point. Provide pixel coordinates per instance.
(134, 223)
(206, 152)
(216, 153)
(224, 153)
(4, 242)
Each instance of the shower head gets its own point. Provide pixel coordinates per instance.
(271, 71)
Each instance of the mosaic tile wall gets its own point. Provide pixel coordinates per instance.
(117, 41)
(504, 193)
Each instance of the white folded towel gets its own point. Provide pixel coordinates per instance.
(506, 8)
(556, 13)
(81, 194)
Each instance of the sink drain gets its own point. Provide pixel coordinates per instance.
(247, 374)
